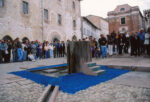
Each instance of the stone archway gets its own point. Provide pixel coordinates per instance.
(54, 37)
(7, 37)
(74, 38)
(24, 39)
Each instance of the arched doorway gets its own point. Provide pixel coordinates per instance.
(7, 37)
(74, 38)
(54, 36)
(55, 39)
(24, 39)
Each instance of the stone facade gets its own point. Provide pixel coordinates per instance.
(89, 29)
(14, 23)
(125, 19)
(100, 22)
(147, 18)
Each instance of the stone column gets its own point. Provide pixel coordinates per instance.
(78, 53)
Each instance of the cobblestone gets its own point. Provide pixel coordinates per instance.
(23, 90)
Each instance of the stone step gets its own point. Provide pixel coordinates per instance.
(91, 64)
(50, 71)
(99, 72)
(94, 68)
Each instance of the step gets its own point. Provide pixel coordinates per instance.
(95, 68)
(99, 72)
(91, 64)
(50, 71)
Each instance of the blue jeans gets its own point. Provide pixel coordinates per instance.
(20, 54)
(51, 54)
(24, 55)
(14, 55)
(96, 54)
(46, 54)
(103, 51)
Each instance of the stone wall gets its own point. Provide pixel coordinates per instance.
(78, 53)
(101, 23)
(16, 24)
(133, 16)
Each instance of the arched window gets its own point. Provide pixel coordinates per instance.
(7, 37)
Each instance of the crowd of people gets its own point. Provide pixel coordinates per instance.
(29, 51)
(114, 43)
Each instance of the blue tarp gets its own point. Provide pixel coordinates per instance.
(72, 83)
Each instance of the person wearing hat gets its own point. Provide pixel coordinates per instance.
(141, 35)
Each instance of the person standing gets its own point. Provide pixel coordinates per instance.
(9, 44)
(147, 41)
(46, 48)
(34, 49)
(39, 51)
(51, 50)
(14, 50)
(102, 42)
(19, 50)
(126, 46)
(63, 48)
(55, 49)
(110, 45)
(24, 49)
(4, 51)
(141, 35)
(58, 48)
(121, 43)
(132, 43)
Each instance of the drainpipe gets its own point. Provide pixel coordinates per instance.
(42, 11)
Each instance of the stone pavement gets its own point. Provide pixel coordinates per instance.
(16, 89)
(134, 79)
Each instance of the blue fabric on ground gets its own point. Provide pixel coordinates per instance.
(38, 78)
(45, 67)
(74, 82)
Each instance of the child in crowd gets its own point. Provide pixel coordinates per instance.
(31, 57)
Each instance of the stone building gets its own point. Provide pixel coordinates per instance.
(40, 19)
(89, 29)
(125, 19)
(147, 18)
(101, 23)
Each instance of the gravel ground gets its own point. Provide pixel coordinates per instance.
(107, 92)
(15, 92)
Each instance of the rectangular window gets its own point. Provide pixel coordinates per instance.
(25, 7)
(45, 14)
(74, 23)
(73, 5)
(59, 19)
(123, 20)
(1, 3)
